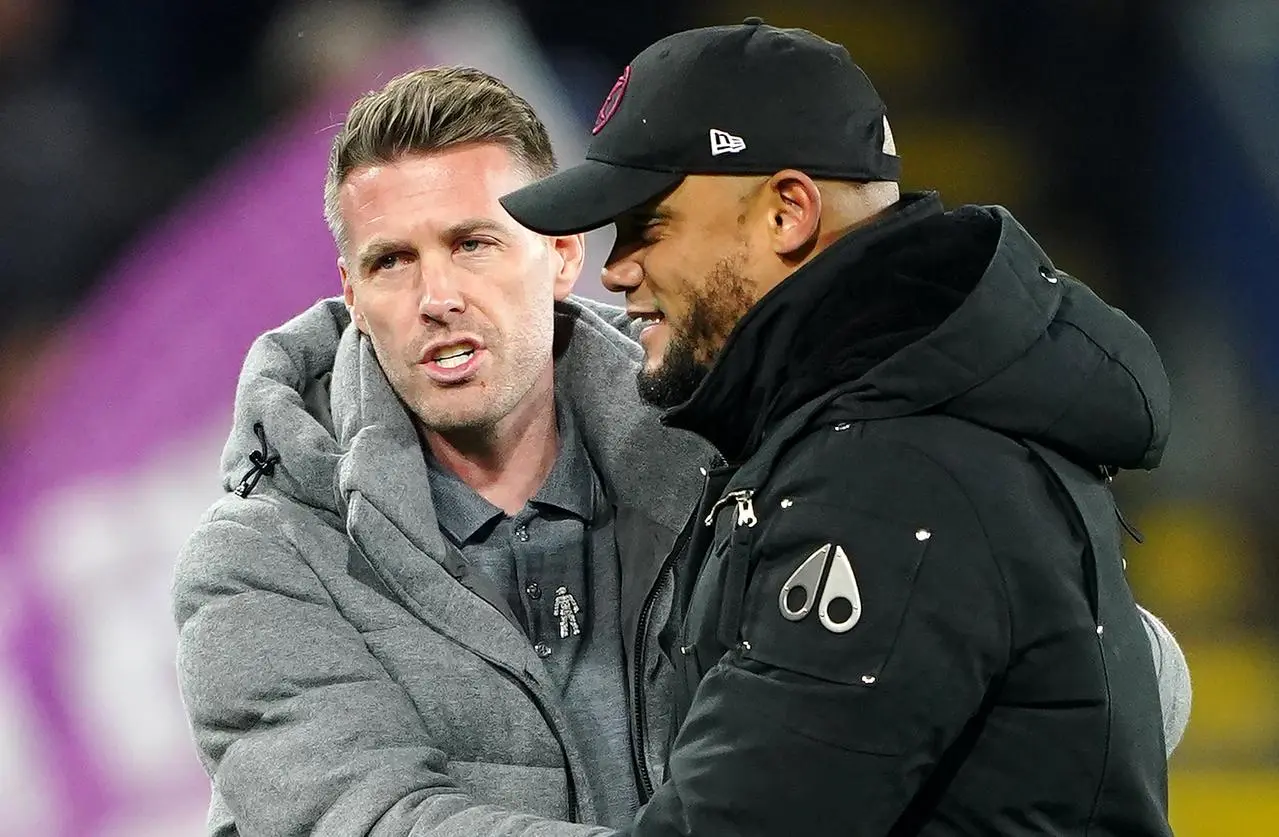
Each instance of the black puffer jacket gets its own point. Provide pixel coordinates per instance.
(906, 604)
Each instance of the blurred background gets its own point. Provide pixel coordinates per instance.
(160, 205)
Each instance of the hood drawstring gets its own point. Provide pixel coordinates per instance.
(263, 464)
(1108, 473)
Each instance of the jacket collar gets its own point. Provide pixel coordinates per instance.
(959, 313)
(570, 487)
(747, 387)
(641, 464)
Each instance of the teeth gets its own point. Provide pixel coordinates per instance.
(449, 351)
(455, 360)
(451, 356)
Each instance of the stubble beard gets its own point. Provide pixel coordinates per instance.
(469, 414)
(694, 345)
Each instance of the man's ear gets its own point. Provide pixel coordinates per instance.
(348, 296)
(794, 206)
(568, 252)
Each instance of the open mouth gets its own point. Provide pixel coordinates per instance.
(649, 318)
(451, 357)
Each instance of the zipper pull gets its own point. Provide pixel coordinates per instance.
(745, 510)
(719, 504)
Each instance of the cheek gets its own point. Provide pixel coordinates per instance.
(389, 329)
(521, 299)
(361, 318)
(672, 278)
(525, 324)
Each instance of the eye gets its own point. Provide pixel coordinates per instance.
(390, 261)
(633, 232)
(647, 227)
(472, 245)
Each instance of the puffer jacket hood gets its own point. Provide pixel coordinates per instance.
(285, 384)
(955, 312)
(312, 386)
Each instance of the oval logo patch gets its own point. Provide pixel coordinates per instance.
(612, 100)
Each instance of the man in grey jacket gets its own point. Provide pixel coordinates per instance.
(433, 591)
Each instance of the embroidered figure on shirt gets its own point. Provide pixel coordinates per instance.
(566, 609)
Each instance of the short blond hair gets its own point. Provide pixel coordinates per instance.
(428, 110)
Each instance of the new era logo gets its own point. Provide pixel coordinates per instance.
(722, 142)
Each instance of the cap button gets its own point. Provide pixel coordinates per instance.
(753, 21)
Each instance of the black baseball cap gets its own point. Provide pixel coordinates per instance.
(743, 99)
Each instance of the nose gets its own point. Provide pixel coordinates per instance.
(621, 274)
(441, 298)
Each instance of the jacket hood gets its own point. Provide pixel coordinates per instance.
(313, 385)
(282, 408)
(955, 312)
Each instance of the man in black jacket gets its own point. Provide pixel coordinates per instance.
(904, 603)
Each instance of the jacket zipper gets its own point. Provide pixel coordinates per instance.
(745, 517)
(638, 718)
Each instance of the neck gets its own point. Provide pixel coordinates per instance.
(839, 223)
(505, 464)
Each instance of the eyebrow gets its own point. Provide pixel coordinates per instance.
(376, 249)
(373, 252)
(471, 226)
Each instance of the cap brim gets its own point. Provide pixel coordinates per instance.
(585, 197)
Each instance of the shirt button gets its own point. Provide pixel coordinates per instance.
(543, 650)
(521, 534)
(534, 590)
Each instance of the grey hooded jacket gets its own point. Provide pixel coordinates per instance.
(340, 673)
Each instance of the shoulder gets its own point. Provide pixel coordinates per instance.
(893, 469)
(877, 494)
(893, 489)
(924, 462)
(1019, 503)
(244, 545)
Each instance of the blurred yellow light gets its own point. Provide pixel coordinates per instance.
(1195, 566)
(1224, 803)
